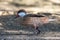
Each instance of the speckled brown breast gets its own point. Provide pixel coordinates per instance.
(34, 20)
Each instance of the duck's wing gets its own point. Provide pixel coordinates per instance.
(33, 15)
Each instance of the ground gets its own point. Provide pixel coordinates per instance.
(10, 29)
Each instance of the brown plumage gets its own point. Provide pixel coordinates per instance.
(34, 21)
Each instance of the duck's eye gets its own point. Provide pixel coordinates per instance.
(21, 14)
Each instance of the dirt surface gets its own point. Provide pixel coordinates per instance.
(10, 29)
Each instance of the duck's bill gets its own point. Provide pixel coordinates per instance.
(22, 14)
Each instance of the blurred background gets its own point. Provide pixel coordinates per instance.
(51, 6)
(33, 6)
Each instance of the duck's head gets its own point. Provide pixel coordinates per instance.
(21, 13)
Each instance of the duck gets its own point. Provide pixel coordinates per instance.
(31, 19)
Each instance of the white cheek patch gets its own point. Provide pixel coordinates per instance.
(22, 14)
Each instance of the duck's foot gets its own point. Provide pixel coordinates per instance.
(38, 31)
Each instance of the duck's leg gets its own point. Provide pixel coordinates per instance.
(38, 31)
